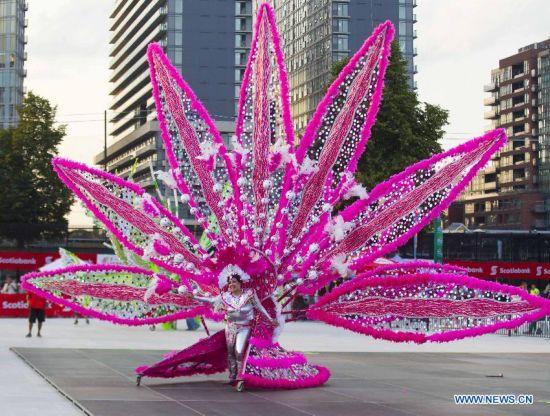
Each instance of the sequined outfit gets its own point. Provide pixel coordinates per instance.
(239, 316)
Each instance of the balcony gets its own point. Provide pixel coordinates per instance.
(490, 100)
(490, 87)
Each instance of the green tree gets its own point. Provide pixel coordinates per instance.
(34, 201)
(405, 131)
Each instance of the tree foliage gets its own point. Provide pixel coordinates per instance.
(405, 131)
(34, 201)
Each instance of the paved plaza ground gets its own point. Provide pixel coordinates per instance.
(92, 365)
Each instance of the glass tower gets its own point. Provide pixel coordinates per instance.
(208, 43)
(317, 33)
(12, 59)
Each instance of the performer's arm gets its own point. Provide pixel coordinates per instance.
(212, 300)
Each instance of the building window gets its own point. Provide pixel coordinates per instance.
(402, 28)
(402, 12)
(340, 25)
(340, 42)
(340, 9)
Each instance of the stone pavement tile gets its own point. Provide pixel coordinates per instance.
(245, 408)
(136, 408)
(297, 397)
(129, 392)
(351, 409)
(222, 393)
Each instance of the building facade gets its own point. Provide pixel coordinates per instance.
(12, 59)
(208, 43)
(513, 192)
(318, 33)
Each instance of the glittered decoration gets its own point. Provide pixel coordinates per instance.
(429, 305)
(120, 294)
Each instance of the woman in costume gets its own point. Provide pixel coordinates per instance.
(239, 306)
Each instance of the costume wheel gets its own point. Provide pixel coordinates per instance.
(240, 386)
(138, 380)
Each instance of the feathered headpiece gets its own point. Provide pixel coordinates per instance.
(229, 271)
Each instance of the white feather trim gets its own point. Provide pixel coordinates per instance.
(237, 147)
(167, 178)
(308, 166)
(357, 190)
(151, 288)
(230, 270)
(282, 148)
(337, 228)
(280, 319)
(340, 265)
(208, 150)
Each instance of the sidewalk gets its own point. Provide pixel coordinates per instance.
(24, 393)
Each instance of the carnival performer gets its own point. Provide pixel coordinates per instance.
(239, 306)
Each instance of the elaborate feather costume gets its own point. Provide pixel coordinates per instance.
(277, 223)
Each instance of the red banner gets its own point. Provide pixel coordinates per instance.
(15, 306)
(19, 260)
(504, 270)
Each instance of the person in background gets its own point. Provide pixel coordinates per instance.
(192, 324)
(546, 292)
(534, 290)
(10, 287)
(37, 312)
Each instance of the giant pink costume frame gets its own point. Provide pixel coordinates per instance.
(277, 223)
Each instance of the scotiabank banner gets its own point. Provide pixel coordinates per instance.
(19, 260)
(505, 270)
(15, 306)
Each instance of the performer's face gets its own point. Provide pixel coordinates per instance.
(234, 284)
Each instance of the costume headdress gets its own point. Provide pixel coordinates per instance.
(229, 271)
(268, 196)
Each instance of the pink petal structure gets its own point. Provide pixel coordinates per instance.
(264, 129)
(274, 209)
(208, 356)
(397, 209)
(336, 136)
(107, 291)
(188, 131)
(427, 306)
(133, 216)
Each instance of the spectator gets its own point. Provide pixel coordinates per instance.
(10, 287)
(192, 324)
(534, 290)
(546, 292)
(37, 312)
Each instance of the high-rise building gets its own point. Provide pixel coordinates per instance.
(317, 33)
(208, 43)
(513, 192)
(12, 59)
